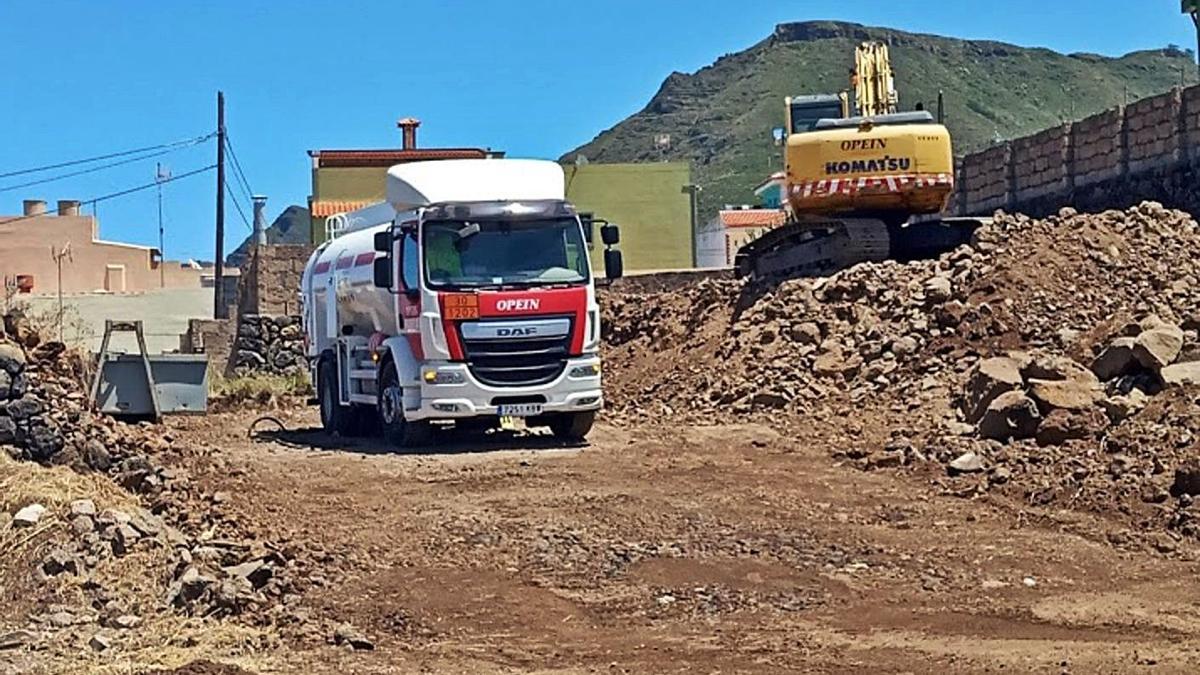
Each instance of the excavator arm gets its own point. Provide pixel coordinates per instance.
(873, 81)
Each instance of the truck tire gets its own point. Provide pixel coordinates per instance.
(397, 430)
(573, 426)
(335, 418)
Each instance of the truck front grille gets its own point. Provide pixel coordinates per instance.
(517, 362)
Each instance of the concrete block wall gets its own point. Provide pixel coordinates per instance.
(984, 180)
(1041, 163)
(1098, 151)
(1123, 152)
(1152, 131)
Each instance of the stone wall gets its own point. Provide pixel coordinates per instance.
(213, 337)
(265, 336)
(269, 344)
(1117, 158)
(270, 281)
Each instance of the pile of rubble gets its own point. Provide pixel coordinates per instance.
(1049, 359)
(896, 330)
(210, 565)
(269, 344)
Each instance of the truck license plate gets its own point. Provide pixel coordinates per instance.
(520, 410)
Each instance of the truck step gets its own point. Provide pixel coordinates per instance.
(364, 374)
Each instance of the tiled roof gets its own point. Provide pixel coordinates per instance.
(384, 158)
(753, 218)
(328, 208)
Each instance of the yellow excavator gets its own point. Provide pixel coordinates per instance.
(863, 181)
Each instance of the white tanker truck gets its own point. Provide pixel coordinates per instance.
(467, 297)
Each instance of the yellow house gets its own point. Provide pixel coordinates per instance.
(648, 201)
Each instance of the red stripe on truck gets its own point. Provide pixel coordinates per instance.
(455, 307)
(364, 259)
(321, 268)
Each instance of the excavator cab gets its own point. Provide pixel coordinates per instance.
(803, 112)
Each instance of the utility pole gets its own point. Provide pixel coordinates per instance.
(693, 192)
(1192, 7)
(220, 310)
(161, 175)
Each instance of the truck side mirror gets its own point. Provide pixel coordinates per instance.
(614, 265)
(779, 136)
(383, 241)
(383, 272)
(610, 234)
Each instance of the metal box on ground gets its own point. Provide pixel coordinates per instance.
(180, 382)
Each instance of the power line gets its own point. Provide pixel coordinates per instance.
(122, 193)
(124, 153)
(237, 167)
(238, 206)
(81, 172)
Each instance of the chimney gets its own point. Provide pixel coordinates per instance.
(34, 207)
(260, 220)
(408, 127)
(68, 207)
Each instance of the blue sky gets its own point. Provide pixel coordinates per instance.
(535, 78)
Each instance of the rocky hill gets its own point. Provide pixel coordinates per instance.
(721, 117)
(291, 227)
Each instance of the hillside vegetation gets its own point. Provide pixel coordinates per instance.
(721, 117)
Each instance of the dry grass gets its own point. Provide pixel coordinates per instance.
(55, 487)
(266, 390)
(139, 580)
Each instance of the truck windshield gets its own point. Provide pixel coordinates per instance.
(475, 254)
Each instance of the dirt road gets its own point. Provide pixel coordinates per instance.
(684, 549)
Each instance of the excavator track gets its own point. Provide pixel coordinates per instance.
(817, 246)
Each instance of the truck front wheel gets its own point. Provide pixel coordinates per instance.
(573, 426)
(397, 430)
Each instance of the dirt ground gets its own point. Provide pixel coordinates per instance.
(683, 549)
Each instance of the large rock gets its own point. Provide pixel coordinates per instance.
(1012, 415)
(969, 462)
(1061, 426)
(939, 289)
(28, 516)
(1122, 407)
(990, 378)
(836, 364)
(1181, 374)
(1187, 479)
(1116, 360)
(1046, 366)
(1158, 348)
(1065, 394)
(12, 358)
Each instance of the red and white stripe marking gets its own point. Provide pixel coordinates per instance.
(830, 187)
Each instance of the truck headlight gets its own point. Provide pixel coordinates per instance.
(435, 376)
(586, 371)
